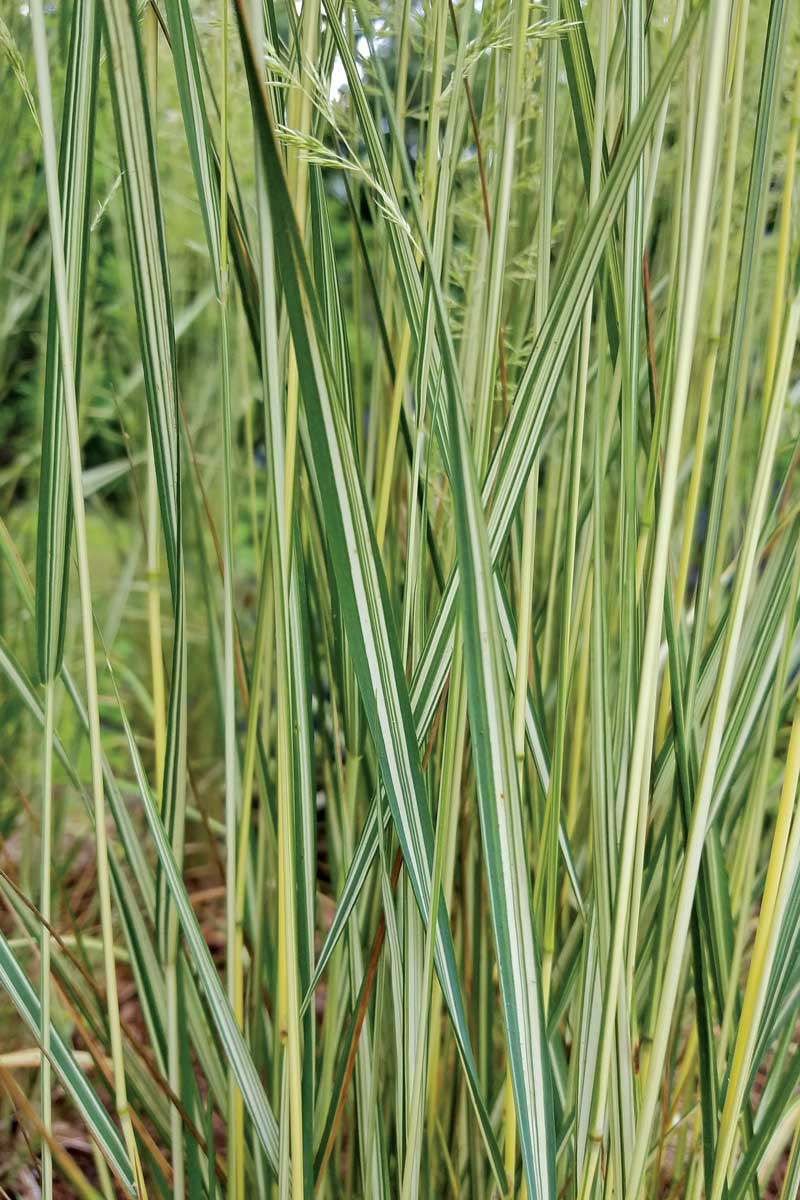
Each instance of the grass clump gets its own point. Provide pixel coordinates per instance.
(399, 595)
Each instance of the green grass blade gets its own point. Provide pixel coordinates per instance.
(75, 179)
(501, 824)
(83, 1095)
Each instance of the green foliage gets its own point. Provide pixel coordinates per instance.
(400, 598)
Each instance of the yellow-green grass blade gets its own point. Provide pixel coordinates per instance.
(501, 819)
